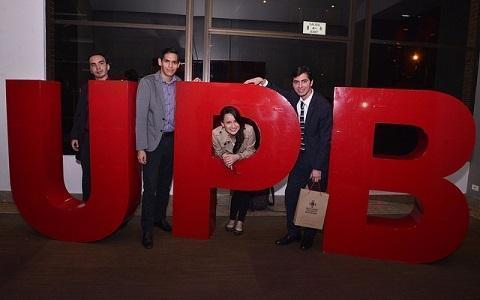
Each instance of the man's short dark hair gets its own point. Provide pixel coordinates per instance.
(300, 70)
(169, 50)
(100, 54)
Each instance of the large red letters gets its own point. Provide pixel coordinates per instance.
(197, 172)
(435, 228)
(35, 152)
(430, 232)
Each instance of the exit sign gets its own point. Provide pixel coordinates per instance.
(318, 28)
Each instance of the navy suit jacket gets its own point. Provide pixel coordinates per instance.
(318, 128)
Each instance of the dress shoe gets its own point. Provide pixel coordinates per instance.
(147, 240)
(306, 243)
(287, 239)
(238, 228)
(230, 225)
(163, 224)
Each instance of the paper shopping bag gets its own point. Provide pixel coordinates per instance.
(311, 208)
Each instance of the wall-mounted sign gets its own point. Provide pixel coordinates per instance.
(319, 28)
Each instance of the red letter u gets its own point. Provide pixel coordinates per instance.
(36, 171)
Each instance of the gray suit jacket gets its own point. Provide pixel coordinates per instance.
(150, 113)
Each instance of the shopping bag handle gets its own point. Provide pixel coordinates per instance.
(312, 185)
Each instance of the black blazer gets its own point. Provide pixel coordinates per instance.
(80, 119)
(318, 127)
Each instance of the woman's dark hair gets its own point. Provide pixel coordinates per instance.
(239, 136)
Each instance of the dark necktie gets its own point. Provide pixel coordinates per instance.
(302, 125)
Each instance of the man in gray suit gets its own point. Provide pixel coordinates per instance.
(155, 124)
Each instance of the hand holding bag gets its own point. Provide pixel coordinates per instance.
(311, 208)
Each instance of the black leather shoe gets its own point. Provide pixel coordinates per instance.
(306, 244)
(147, 240)
(287, 239)
(163, 224)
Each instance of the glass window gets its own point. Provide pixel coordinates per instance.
(126, 31)
(168, 12)
(432, 21)
(282, 15)
(235, 59)
(132, 54)
(358, 48)
(440, 69)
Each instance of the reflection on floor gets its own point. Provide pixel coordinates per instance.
(248, 266)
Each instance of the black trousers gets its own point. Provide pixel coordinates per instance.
(84, 158)
(298, 178)
(157, 180)
(239, 205)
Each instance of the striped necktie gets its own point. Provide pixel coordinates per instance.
(302, 125)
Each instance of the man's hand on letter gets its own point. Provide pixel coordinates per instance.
(75, 145)
(255, 81)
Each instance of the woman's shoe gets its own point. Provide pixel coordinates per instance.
(230, 225)
(238, 228)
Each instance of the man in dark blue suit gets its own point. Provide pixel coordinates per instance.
(311, 167)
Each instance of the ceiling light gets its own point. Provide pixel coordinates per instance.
(405, 16)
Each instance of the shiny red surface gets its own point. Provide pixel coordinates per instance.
(35, 152)
(433, 230)
(426, 234)
(197, 172)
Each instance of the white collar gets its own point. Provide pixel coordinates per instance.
(307, 101)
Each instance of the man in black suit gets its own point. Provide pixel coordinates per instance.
(311, 167)
(80, 140)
